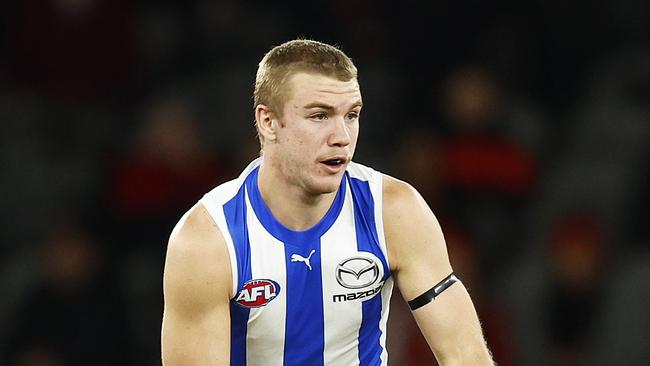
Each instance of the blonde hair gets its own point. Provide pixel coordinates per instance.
(289, 58)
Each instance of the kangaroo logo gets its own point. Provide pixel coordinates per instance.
(300, 258)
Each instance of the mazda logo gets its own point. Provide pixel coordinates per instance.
(357, 272)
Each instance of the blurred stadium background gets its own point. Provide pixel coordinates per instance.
(526, 126)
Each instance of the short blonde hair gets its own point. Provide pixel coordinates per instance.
(301, 55)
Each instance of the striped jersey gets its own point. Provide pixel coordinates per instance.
(313, 297)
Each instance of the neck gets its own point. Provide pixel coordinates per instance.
(291, 204)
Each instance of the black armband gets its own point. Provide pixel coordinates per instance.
(434, 292)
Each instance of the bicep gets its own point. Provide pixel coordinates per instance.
(419, 256)
(196, 286)
(196, 339)
(416, 246)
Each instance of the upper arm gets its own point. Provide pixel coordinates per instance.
(197, 285)
(419, 260)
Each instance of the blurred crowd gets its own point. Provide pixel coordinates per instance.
(526, 127)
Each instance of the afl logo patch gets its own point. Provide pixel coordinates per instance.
(357, 272)
(257, 293)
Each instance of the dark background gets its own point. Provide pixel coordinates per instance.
(525, 125)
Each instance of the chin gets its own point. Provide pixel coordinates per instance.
(325, 185)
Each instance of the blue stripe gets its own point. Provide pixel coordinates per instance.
(369, 344)
(235, 212)
(304, 329)
(364, 216)
(305, 324)
(370, 349)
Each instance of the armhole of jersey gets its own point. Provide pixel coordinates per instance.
(214, 201)
(377, 186)
(216, 212)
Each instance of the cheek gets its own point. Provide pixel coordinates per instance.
(301, 144)
(299, 141)
(354, 134)
(354, 131)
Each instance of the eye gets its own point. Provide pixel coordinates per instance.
(320, 116)
(353, 115)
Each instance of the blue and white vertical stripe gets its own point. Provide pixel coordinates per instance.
(310, 321)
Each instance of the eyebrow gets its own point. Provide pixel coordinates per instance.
(329, 107)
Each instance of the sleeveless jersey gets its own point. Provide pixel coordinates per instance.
(313, 297)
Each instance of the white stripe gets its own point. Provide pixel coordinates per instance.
(266, 325)
(377, 186)
(213, 202)
(342, 319)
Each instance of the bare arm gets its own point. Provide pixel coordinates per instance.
(419, 259)
(197, 287)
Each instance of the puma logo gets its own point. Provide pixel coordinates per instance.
(300, 258)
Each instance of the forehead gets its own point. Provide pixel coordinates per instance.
(304, 88)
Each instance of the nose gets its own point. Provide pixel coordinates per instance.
(340, 135)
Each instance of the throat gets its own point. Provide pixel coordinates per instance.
(290, 203)
(298, 213)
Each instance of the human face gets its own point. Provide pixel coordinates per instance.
(317, 133)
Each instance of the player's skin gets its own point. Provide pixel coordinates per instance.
(319, 121)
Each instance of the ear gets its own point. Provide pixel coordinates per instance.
(266, 122)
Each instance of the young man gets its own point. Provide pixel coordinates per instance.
(293, 262)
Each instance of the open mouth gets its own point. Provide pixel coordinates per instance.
(333, 162)
(334, 165)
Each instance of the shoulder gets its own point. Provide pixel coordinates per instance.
(402, 203)
(399, 194)
(195, 233)
(404, 209)
(412, 230)
(197, 262)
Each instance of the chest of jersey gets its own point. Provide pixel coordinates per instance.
(318, 297)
